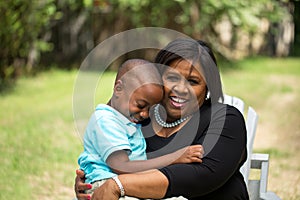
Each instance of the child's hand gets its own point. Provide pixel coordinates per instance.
(193, 153)
(80, 186)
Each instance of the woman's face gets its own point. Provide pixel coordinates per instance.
(185, 89)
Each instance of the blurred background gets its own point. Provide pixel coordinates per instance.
(43, 43)
(46, 33)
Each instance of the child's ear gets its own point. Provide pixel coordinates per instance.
(118, 86)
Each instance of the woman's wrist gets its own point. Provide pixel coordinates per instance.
(109, 190)
(113, 187)
(120, 186)
(148, 184)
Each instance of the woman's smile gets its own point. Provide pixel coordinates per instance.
(178, 102)
(185, 89)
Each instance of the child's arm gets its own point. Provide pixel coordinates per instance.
(120, 163)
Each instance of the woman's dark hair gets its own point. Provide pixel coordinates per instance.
(195, 52)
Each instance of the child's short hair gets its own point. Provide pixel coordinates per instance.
(139, 72)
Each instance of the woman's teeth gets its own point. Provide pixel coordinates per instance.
(177, 102)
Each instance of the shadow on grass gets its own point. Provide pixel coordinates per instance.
(7, 86)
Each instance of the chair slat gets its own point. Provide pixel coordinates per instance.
(257, 188)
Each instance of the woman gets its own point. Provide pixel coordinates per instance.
(190, 113)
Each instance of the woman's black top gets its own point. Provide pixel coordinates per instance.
(221, 130)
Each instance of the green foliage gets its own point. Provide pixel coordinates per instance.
(22, 30)
(199, 19)
(199, 16)
(67, 29)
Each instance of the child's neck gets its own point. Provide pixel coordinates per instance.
(109, 103)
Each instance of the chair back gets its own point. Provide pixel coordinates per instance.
(251, 124)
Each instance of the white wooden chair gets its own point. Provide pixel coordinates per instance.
(257, 188)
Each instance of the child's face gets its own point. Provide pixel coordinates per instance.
(135, 106)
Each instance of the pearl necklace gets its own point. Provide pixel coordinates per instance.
(164, 124)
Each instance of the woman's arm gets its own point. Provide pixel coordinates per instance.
(121, 164)
(225, 146)
(151, 183)
(148, 184)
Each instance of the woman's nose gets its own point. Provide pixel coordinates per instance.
(181, 87)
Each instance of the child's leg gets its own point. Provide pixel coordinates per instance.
(95, 185)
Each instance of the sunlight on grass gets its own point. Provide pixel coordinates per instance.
(105, 87)
(271, 87)
(274, 153)
(39, 144)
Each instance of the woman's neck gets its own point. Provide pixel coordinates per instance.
(166, 132)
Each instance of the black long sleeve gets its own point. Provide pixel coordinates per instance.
(222, 132)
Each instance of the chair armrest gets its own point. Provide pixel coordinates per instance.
(269, 196)
(257, 159)
(261, 161)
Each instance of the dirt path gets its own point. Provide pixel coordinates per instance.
(278, 134)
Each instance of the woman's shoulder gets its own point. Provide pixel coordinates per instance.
(233, 110)
(227, 109)
(221, 110)
(232, 115)
(230, 119)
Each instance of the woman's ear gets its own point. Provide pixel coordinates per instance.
(207, 94)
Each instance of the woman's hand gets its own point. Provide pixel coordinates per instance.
(193, 153)
(108, 191)
(80, 186)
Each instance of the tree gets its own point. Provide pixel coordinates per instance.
(64, 31)
(296, 13)
(205, 20)
(22, 28)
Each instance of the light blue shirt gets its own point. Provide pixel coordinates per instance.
(109, 131)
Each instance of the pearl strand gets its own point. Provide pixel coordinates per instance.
(165, 124)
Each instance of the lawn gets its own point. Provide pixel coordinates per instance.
(39, 143)
(271, 87)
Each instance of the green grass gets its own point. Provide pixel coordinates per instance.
(39, 145)
(271, 86)
(260, 78)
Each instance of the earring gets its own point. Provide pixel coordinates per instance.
(207, 95)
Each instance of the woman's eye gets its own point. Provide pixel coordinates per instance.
(172, 78)
(193, 82)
